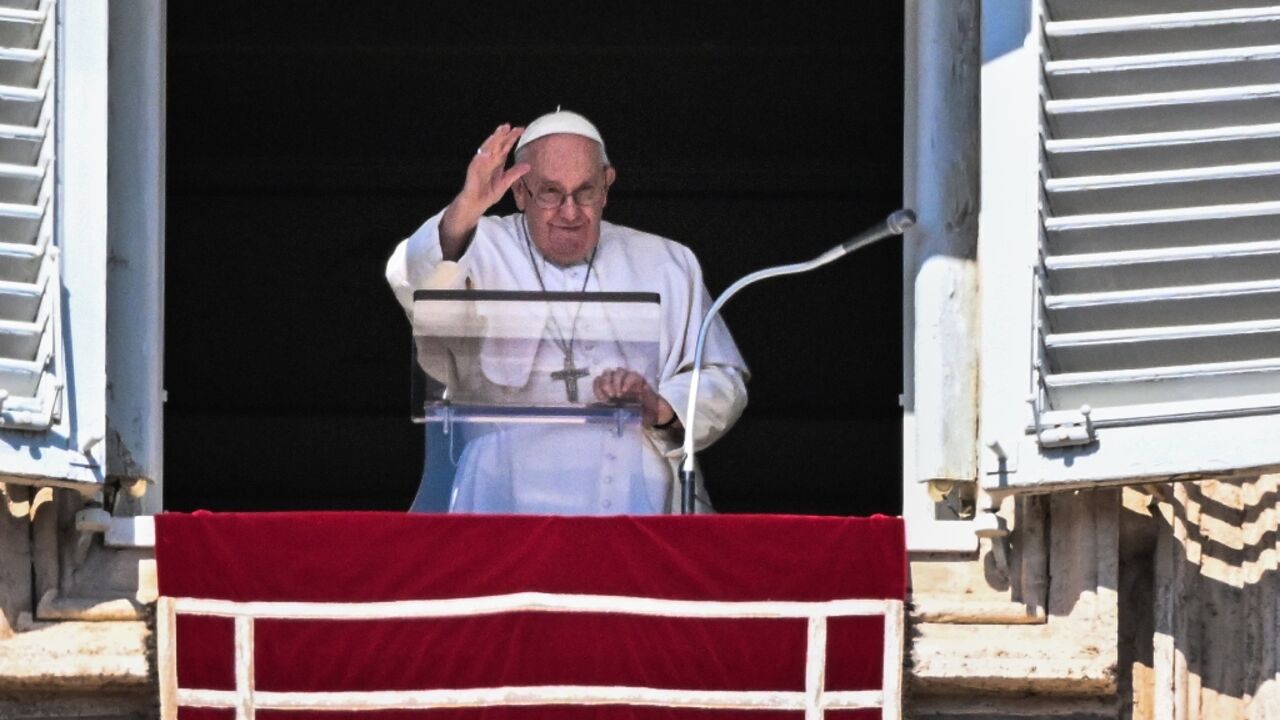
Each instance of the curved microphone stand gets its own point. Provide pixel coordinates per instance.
(896, 224)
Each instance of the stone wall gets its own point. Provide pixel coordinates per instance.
(75, 637)
(1161, 602)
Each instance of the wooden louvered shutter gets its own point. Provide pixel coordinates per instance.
(1151, 346)
(31, 381)
(53, 242)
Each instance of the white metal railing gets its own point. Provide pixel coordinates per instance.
(814, 700)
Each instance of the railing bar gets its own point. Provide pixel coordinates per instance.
(245, 702)
(815, 667)
(533, 695)
(852, 699)
(528, 602)
(167, 657)
(814, 700)
(893, 648)
(504, 696)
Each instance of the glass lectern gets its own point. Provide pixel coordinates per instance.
(513, 389)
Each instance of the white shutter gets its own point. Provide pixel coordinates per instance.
(30, 380)
(1152, 246)
(53, 121)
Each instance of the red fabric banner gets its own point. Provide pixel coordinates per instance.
(371, 557)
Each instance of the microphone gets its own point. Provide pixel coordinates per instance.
(895, 224)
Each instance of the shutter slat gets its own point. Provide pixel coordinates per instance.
(1069, 10)
(1200, 409)
(20, 300)
(1134, 348)
(1164, 111)
(1138, 269)
(21, 28)
(1164, 189)
(1155, 307)
(1166, 227)
(1150, 152)
(1163, 32)
(21, 340)
(1175, 383)
(1162, 72)
(22, 144)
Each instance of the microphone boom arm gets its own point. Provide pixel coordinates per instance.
(896, 224)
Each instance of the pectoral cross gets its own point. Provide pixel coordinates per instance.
(570, 375)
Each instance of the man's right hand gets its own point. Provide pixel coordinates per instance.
(485, 185)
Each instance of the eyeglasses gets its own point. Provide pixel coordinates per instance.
(549, 198)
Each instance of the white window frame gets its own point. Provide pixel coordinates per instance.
(939, 394)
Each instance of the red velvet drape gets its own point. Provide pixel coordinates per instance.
(355, 557)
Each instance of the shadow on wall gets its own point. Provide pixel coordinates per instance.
(1200, 600)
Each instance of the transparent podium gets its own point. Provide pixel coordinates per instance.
(529, 404)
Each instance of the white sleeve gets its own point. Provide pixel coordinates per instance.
(415, 261)
(722, 391)
(722, 396)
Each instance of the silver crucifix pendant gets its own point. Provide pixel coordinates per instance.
(570, 375)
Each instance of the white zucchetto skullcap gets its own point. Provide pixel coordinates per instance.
(562, 121)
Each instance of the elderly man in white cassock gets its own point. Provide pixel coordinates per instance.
(559, 242)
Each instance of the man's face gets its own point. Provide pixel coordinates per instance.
(568, 167)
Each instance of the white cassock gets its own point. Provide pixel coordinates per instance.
(510, 472)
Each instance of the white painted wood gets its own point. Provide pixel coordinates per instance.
(13, 14)
(1162, 177)
(27, 337)
(940, 274)
(245, 702)
(1162, 21)
(1164, 111)
(1156, 412)
(1191, 351)
(1239, 296)
(1145, 217)
(245, 699)
(1009, 228)
(1180, 71)
(1183, 383)
(135, 301)
(23, 212)
(1161, 334)
(80, 204)
(1146, 61)
(529, 602)
(815, 667)
(1153, 100)
(1159, 269)
(53, 119)
(167, 657)
(1187, 449)
(531, 695)
(849, 699)
(1179, 138)
(894, 639)
(1159, 257)
(24, 172)
(1169, 192)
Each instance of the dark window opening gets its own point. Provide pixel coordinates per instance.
(305, 141)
